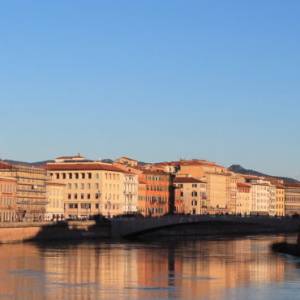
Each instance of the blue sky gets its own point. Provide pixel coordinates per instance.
(156, 80)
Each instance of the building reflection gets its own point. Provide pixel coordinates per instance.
(190, 270)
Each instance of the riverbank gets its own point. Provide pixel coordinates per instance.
(79, 230)
(147, 228)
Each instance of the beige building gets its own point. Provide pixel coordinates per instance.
(31, 190)
(191, 193)
(218, 179)
(56, 200)
(218, 192)
(8, 208)
(243, 199)
(292, 199)
(127, 161)
(93, 187)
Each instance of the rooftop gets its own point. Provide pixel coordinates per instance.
(93, 166)
(187, 180)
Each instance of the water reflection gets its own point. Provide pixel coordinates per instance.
(187, 270)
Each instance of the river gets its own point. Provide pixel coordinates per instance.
(231, 268)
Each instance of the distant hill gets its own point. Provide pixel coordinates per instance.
(241, 170)
(23, 163)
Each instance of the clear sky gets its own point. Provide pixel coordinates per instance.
(155, 80)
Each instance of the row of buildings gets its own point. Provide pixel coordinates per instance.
(73, 187)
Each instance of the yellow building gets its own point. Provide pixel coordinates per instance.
(218, 179)
(280, 203)
(218, 192)
(56, 198)
(31, 190)
(93, 187)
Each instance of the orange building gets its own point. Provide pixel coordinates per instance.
(8, 189)
(154, 193)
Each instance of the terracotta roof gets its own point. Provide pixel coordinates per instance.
(243, 184)
(5, 166)
(154, 172)
(292, 185)
(187, 180)
(82, 167)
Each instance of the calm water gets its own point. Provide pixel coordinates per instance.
(241, 268)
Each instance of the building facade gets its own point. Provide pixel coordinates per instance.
(55, 208)
(8, 206)
(190, 196)
(131, 185)
(243, 199)
(31, 191)
(263, 197)
(292, 200)
(218, 192)
(93, 188)
(154, 193)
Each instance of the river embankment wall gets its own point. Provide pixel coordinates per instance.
(153, 228)
(22, 232)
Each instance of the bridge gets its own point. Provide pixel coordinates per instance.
(202, 225)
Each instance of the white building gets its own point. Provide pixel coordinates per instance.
(263, 195)
(130, 193)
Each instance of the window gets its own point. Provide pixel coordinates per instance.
(194, 194)
(75, 196)
(64, 176)
(57, 175)
(90, 175)
(82, 196)
(76, 175)
(73, 205)
(69, 196)
(70, 175)
(85, 205)
(83, 175)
